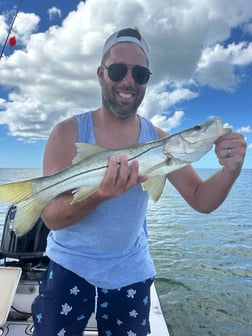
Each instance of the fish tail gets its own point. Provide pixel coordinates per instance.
(16, 192)
(27, 214)
(28, 207)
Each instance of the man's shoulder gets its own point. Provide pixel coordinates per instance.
(156, 130)
(66, 124)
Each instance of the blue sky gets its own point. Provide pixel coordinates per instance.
(201, 59)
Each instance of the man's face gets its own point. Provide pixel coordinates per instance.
(123, 98)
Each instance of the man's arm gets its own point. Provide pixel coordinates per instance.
(206, 196)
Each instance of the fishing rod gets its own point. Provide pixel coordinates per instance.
(10, 29)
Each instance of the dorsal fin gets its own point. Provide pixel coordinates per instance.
(85, 150)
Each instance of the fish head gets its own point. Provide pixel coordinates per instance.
(206, 132)
(191, 144)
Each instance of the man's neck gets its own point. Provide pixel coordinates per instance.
(113, 132)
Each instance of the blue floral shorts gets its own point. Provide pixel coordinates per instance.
(66, 302)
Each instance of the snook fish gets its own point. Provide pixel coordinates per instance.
(84, 176)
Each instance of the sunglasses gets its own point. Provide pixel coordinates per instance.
(117, 71)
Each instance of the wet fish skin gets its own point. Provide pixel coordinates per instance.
(84, 176)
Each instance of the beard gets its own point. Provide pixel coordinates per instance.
(121, 110)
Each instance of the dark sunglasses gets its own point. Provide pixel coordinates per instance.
(117, 71)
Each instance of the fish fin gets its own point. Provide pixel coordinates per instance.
(82, 193)
(16, 192)
(156, 167)
(26, 216)
(154, 185)
(84, 150)
(28, 207)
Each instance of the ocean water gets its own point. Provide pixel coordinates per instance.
(203, 262)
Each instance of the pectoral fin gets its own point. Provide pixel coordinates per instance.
(156, 167)
(155, 185)
(82, 193)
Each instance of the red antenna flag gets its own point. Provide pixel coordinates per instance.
(12, 41)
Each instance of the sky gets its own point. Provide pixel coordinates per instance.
(200, 57)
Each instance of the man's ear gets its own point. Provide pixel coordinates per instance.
(100, 73)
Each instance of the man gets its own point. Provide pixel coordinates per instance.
(98, 247)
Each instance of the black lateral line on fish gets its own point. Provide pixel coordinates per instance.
(94, 169)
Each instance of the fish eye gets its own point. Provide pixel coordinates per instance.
(198, 127)
(168, 160)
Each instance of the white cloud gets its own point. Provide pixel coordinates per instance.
(25, 25)
(54, 75)
(159, 99)
(2, 103)
(54, 11)
(245, 129)
(217, 64)
(168, 123)
(3, 29)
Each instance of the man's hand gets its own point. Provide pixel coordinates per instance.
(119, 177)
(230, 150)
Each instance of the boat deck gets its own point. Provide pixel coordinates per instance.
(17, 296)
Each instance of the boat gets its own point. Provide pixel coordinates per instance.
(22, 264)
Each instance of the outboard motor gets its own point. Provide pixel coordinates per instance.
(29, 246)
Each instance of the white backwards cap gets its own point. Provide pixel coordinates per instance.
(126, 35)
